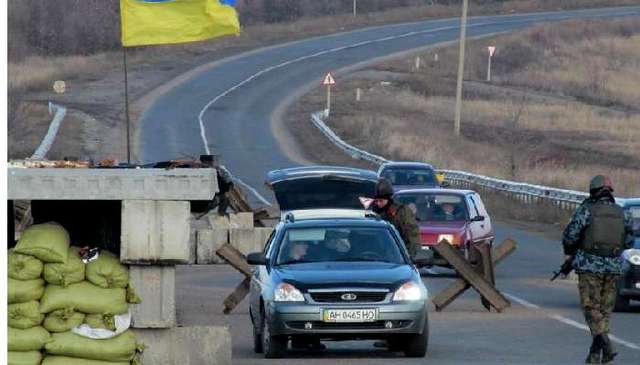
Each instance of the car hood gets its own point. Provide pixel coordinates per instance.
(443, 227)
(345, 274)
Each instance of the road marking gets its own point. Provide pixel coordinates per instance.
(524, 18)
(254, 191)
(569, 321)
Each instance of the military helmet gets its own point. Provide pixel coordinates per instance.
(600, 182)
(384, 189)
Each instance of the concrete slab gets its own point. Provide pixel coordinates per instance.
(186, 345)
(249, 240)
(155, 232)
(209, 241)
(241, 220)
(156, 285)
(219, 221)
(111, 184)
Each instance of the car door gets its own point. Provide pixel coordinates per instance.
(483, 228)
(260, 275)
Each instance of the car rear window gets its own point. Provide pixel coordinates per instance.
(407, 176)
(302, 245)
(435, 207)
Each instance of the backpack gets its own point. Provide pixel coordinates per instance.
(605, 233)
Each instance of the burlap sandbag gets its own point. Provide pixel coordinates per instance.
(84, 297)
(20, 291)
(64, 360)
(24, 315)
(63, 320)
(49, 242)
(31, 339)
(24, 358)
(121, 348)
(105, 321)
(67, 273)
(107, 272)
(23, 267)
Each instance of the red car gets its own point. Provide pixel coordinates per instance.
(457, 216)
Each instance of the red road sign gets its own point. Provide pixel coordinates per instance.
(329, 80)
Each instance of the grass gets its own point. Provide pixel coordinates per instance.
(562, 106)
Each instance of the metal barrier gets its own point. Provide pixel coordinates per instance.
(527, 193)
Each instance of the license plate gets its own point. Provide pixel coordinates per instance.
(350, 315)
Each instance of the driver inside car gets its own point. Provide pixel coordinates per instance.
(298, 250)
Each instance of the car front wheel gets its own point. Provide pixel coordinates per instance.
(257, 336)
(273, 347)
(416, 345)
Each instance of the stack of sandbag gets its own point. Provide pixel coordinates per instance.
(39, 246)
(75, 313)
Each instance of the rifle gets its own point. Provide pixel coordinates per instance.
(565, 269)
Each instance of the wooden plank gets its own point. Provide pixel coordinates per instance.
(485, 268)
(235, 258)
(468, 273)
(240, 292)
(453, 291)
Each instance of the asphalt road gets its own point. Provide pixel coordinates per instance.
(228, 110)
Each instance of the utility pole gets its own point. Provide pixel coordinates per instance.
(355, 7)
(463, 34)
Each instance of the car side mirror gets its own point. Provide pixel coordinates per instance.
(256, 258)
(478, 218)
(423, 258)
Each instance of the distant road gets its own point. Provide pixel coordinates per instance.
(230, 105)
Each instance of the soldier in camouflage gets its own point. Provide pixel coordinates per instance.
(400, 215)
(595, 237)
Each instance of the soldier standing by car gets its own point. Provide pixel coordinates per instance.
(400, 215)
(225, 184)
(595, 237)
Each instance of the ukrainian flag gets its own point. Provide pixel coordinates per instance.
(149, 22)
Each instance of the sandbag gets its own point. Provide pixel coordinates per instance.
(49, 242)
(84, 297)
(120, 348)
(67, 273)
(23, 267)
(63, 320)
(24, 358)
(64, 360)
(20, 291)
(24, 315)
(107, 272)
(31, 339)
(105, 321)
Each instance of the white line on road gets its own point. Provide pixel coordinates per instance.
(254, 191)
(569, 321)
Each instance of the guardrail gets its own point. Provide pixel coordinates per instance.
(48, 139)
(527, 193)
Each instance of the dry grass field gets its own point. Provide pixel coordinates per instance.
(562, 106)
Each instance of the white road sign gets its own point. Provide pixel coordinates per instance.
(329, 80)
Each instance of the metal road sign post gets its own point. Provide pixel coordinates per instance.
(328, 82)
(492, 50)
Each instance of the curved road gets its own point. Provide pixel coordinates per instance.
(228, 108)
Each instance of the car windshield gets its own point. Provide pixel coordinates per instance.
(303, 245)
(408, 176)
(635, 219)
(435, 207)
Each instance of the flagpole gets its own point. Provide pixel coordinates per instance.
(126, 104)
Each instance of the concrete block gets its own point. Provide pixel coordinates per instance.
(209, 241)
(186, 346)
(249, 240)
(219, 221)
(241, 220)
(155, 232)
(156, 286)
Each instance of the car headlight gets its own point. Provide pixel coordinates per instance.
(409, 291)
(632, 255)
(287, 293)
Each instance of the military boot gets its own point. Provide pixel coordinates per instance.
(594, 351)
(608, 353)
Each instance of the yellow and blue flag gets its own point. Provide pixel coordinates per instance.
(149, 22)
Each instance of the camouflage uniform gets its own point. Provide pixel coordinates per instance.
(403, 218)
(597, 274)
